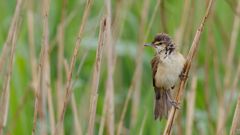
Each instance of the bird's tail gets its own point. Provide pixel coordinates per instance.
(162, 103)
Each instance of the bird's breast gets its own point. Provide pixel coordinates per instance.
(168, 70)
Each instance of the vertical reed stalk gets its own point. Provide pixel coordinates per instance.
(60, 42)
(43, 74)
(72, 64)
(235, 129)
(110, 55)
(233, 43)
(96, 77)
(186, 68)
(77, 123)
(4, 101)
(32, 53)
(136, 80)
(121, 10)
(9, 44)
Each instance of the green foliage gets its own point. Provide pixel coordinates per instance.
(21, 107)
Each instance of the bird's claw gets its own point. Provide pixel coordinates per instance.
(183, 76)
(175, 104)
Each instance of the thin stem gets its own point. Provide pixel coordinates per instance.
(186, 68)
(72, 64)
(96, 77)
(235, 129)
(43, 73)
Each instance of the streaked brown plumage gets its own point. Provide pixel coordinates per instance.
(167, 65)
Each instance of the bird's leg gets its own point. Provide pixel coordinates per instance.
(173, 103)
(183, 76)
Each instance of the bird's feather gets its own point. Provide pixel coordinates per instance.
(154, 64)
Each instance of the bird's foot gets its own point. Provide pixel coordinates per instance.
(172, 102)
(175, 104)
(183, 76)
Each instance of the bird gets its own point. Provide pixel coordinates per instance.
(167, 66)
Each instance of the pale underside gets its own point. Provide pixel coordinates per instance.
(168, 70)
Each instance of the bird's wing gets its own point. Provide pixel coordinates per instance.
(154, 64)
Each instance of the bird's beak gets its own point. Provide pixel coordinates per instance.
(148, 44)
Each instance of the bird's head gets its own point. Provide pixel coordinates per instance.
(162, 43)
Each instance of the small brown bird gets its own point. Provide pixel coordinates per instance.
(167, 66)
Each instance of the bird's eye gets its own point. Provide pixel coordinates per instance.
(158, 43)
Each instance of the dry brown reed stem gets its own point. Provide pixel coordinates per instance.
(122, 8)
(180, 34)
(47, 82)
(7, 45)
(191, 106)
(179, 126)
(235, 129)
(4, 101)
(136, 80)
(187, 67)
(109, 100)
(32, 53)
(43, 74)
(110, 85)
(231, 51)
(44, 81)
(96, 77)
(77, 124)
(60, 58)
(60, 41)
(72, 64)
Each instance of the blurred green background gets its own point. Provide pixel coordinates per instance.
(214, 43)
